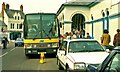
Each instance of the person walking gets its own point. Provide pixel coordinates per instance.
(88, 36)
(116, 41)
(105, 39)
(4, 42)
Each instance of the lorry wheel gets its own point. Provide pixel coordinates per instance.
(27, 56)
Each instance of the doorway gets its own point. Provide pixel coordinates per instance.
(78, 22)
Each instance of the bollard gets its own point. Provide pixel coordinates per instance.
(42, 58)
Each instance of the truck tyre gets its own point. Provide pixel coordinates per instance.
(27, 56)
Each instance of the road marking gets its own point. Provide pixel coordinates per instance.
(3, 54)
(12, 49)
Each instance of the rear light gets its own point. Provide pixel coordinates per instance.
(55, 44)
(34, 45)
(27, 46)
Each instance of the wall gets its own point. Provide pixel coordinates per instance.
(97, 30)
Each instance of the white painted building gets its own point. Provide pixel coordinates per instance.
(1, 16)
(14, 21)
(94, 17)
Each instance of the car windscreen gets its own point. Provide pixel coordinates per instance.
(85, 46)
(114, 63)
(19, 39)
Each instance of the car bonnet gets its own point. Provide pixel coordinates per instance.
(88, 57)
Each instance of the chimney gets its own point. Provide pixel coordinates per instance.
(7, 6)
(3, 8)
(21, 7)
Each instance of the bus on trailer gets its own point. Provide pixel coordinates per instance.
(41, 33)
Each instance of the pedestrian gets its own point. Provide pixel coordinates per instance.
(4, 42)
(83, 33)
(88, 36)
(105, 39)
(64, 36)
(78, 35)
(72, 35)
(116, 41)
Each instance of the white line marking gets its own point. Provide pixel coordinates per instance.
(3, 54)
(12, 49)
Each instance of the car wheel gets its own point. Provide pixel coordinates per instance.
(59, 65)
(67, 69)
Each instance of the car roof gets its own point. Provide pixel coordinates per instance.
(69, 40)
(117, 48)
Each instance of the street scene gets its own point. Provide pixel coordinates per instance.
(60, 36)
(14, 58)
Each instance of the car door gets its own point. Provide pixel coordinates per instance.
(62, 52)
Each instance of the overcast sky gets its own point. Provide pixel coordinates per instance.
(33, 6)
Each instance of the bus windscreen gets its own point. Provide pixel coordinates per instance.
(40, 26)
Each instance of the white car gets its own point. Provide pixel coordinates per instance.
(19, 42)
(76, 54)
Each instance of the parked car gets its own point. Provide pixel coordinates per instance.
(19, 42)
(110, 64)
(76, 54)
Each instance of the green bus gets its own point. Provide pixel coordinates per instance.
(41, 33)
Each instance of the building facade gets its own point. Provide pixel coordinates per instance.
(94, 17)
(14, 21)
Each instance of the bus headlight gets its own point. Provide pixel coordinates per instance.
(29, 51)
(80, 66)
(54, 50)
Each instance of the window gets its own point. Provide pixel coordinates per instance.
(20, 26)
(107, 12)
(113, 65)
(103, 14)
(15, 17)
(17, 26)
(64, 46)
(18, 17)
(12, 26)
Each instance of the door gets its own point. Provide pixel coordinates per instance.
(62, 52)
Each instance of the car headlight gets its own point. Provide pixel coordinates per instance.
(80, 66)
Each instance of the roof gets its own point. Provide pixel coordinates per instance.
(80, 2)
(79, 40)
(41, 13)
(10, 13)
(86, 3)
(117, 48)
(2, 23)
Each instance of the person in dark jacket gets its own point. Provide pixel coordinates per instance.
(4, 42)
(116, 41)
(88, 36)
